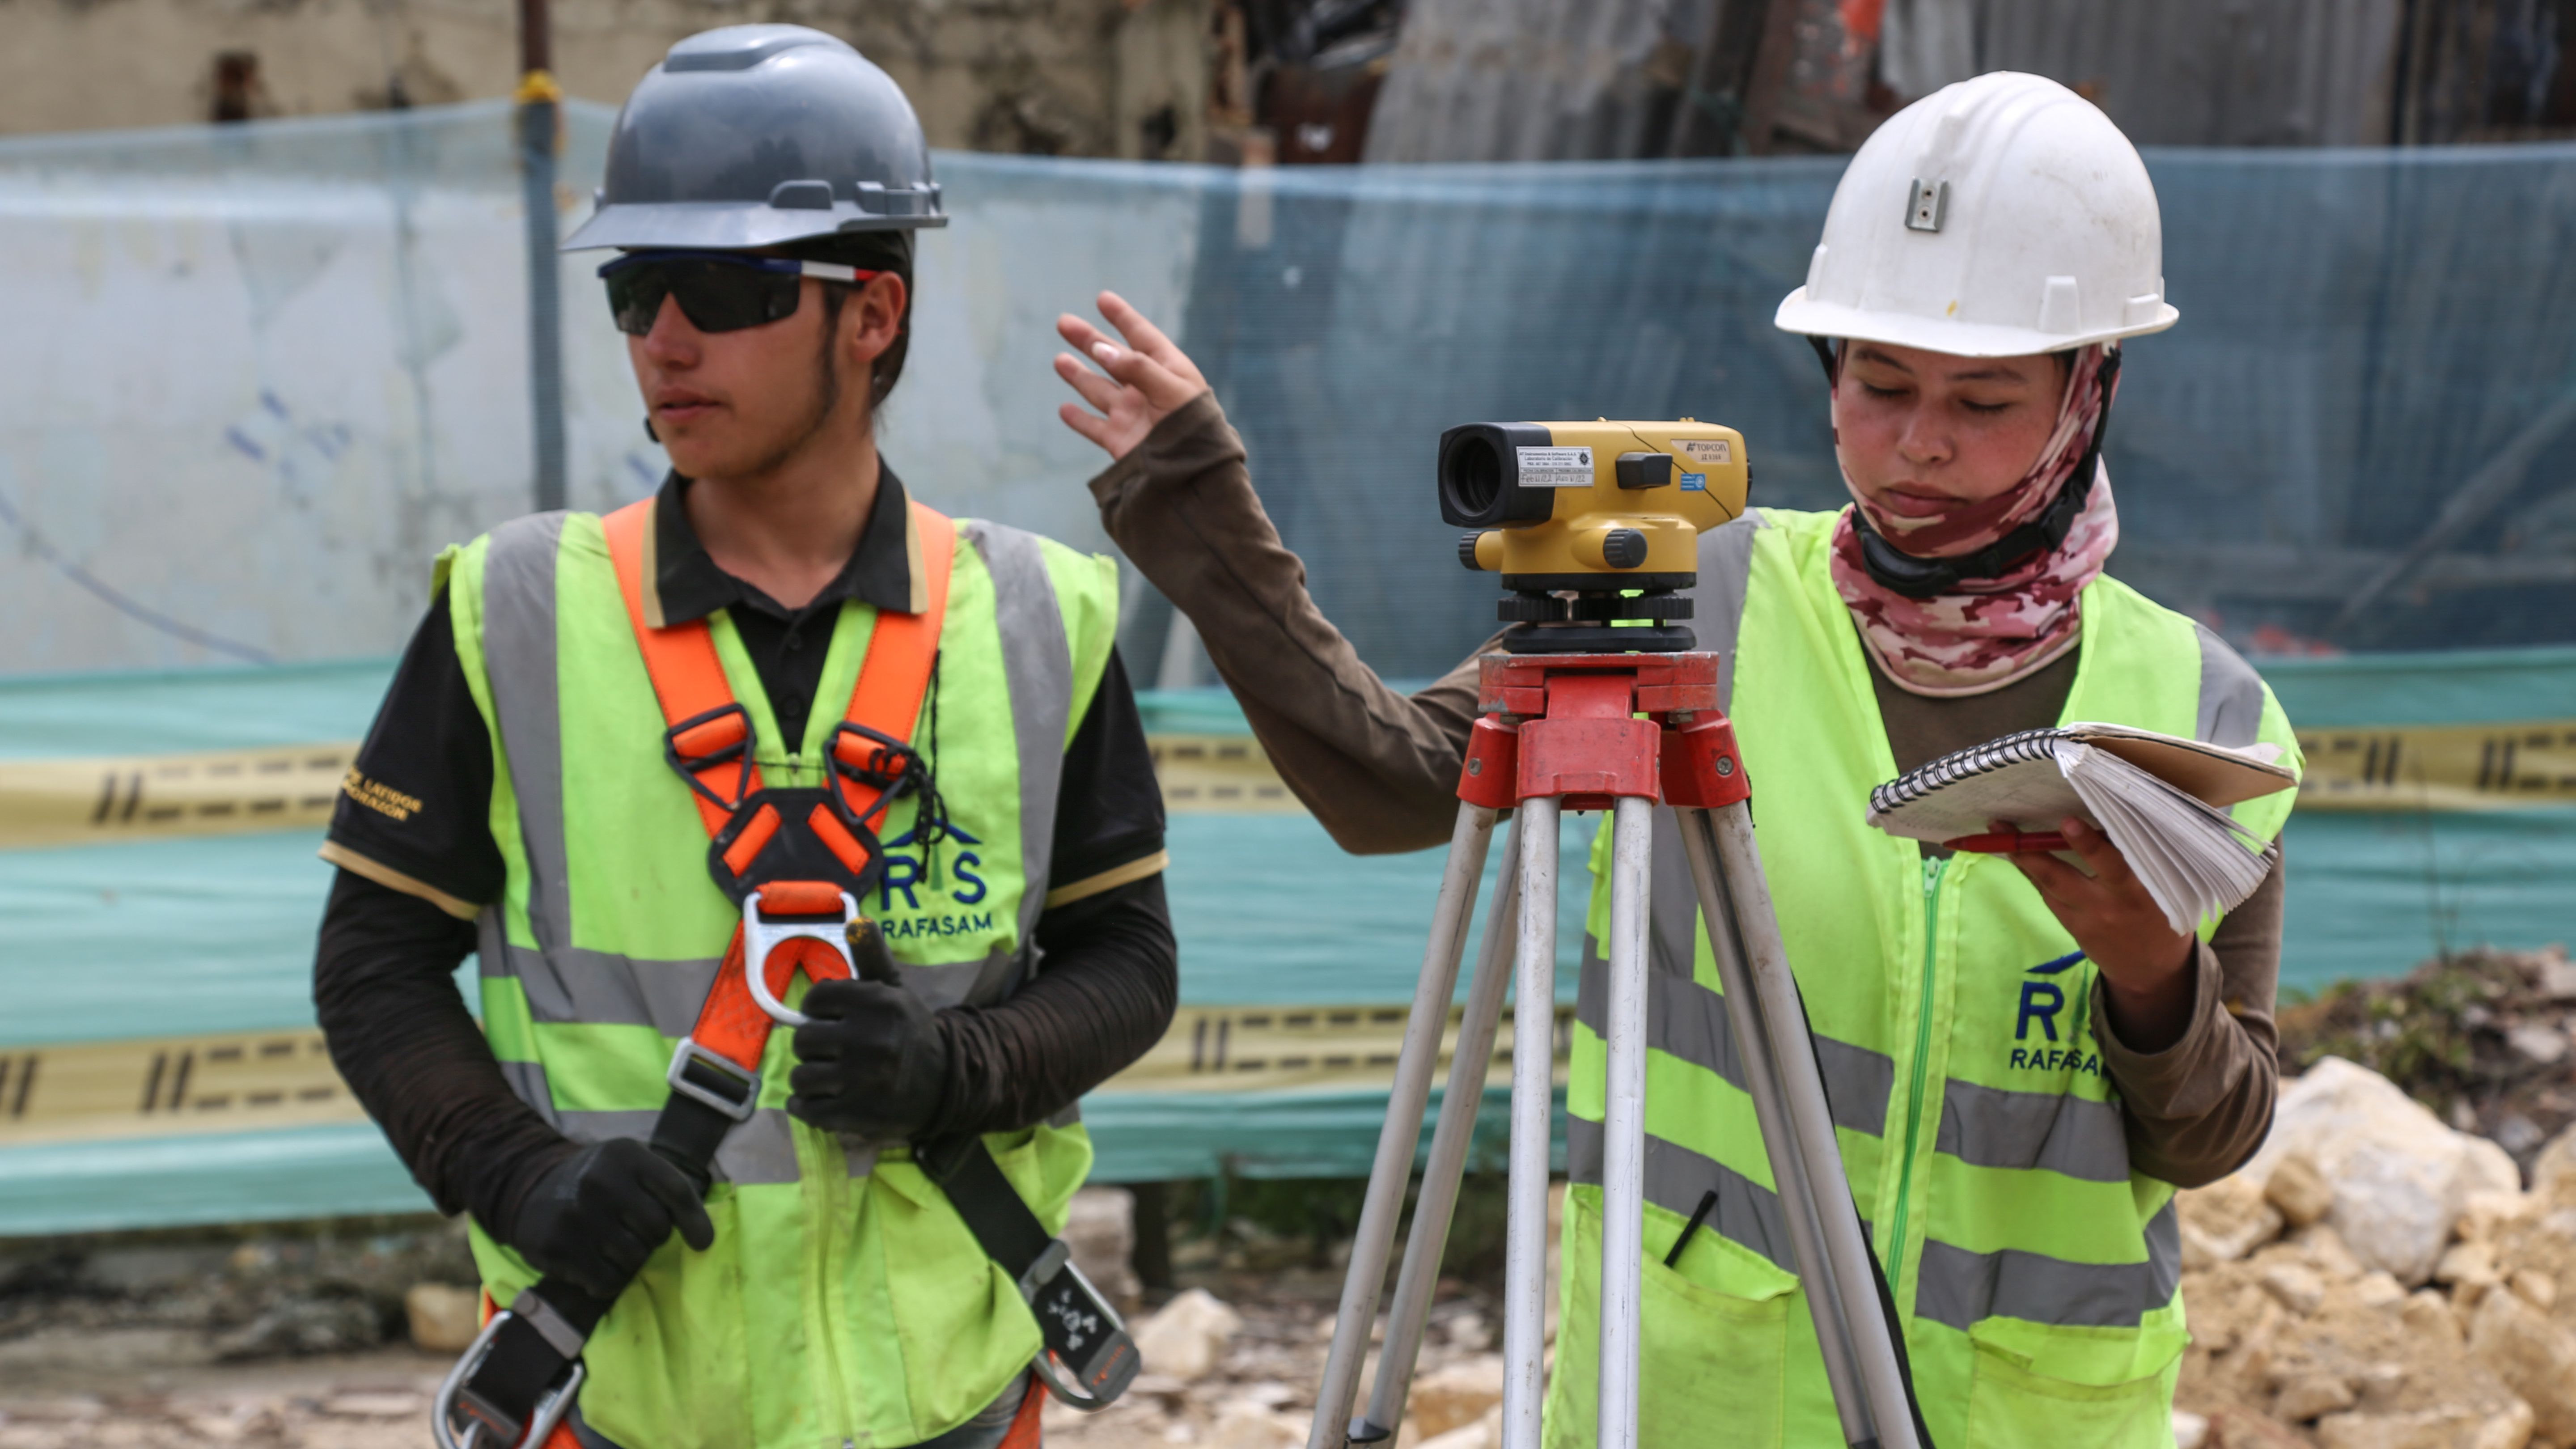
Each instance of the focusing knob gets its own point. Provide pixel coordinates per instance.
(1467, 549)
(1623, 548)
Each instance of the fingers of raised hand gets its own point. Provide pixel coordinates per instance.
(1078, 333)
(1102, 393)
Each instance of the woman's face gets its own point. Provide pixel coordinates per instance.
(1921, 433)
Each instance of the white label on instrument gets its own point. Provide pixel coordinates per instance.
(1707, 450)
(1556, 467)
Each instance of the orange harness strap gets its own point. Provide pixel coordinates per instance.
(698, 703)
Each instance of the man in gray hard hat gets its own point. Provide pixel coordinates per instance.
(892, 756)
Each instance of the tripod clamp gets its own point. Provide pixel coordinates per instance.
(1565, 725)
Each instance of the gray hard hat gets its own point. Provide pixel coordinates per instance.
(759, 135)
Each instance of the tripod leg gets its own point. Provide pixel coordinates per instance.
(1790, 1171)
(1623, 1125)
(1419, 1277)
(1533, 1093)
(1873, 1341)
(1375, 1237)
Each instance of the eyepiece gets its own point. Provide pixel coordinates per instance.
(1480, 476)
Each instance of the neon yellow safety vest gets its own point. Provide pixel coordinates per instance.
(2034, 1271)
(844, 1299)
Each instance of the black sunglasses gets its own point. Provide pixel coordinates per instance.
(718, 291)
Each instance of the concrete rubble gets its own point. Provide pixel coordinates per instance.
(2374, 1279)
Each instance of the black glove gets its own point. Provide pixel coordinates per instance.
(594, 1217)
(872, 1061)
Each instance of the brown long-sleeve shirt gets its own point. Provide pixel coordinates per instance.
(1379, 769)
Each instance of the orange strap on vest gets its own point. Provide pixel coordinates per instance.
(689, 681)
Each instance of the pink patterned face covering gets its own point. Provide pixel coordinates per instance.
(1991, 631)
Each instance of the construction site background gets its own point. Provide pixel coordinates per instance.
(288, 367)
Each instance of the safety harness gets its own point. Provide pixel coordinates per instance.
(797, 861)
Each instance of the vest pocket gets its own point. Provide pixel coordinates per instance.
(2011, 1405)
(1712, 1365)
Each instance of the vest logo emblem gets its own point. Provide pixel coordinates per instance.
(944, 874)
(2035, 1022)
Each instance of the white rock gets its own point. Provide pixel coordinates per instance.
(2542, 1044)
(2553, 1173)
(2378, 1290)
(2428, 1429)
(2224, 1221)
(2510, 1429)
(443, 1319)
(2535, 1357)
(1188, 1337)
(2298, 1288)
(2400, 1177)
(2299, 1190)
(2309, 1395)
(2535, 1288)
(2428, 1314)
(2487, 1214)
(2190, 1430)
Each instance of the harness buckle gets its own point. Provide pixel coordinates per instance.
(726, 1073)
(761, 935)
(720, 736)
(1089, 1360)
(474, 1423)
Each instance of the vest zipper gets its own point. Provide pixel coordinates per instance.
(1933, 870)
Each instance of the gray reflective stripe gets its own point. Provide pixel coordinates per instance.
(1037, 664)
(2231, 695)
(757, 1151)
(528, 1082)
(1958, 1287)
(1672, 901)
(1725, 572)
(519, 663)
(1687, 1020)
(1677, 1179)
(2059, 1131)
(601, 988)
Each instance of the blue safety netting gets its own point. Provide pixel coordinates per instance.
(285, 366)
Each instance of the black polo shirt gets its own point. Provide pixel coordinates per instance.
(415, 811)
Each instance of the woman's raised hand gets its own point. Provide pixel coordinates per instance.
(1147, 378)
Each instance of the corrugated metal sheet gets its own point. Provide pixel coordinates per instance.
(1512, 80)
(1536, 80)
(2207, 72)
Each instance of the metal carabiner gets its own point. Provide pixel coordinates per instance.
(551, 1406)
(760, 936)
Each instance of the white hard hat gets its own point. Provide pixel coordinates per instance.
(1997, 217)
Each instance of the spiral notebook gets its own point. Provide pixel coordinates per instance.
(2160, 798)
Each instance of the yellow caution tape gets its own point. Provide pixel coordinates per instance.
(224, 792)
(1219, 775)
(172, 1086)
(103, 800)
(251, 1081)
(2440, 767)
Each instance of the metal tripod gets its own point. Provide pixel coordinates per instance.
(1560, 732)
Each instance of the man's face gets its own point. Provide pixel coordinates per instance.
(741, 403)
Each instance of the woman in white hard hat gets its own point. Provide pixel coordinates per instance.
(2025, 1059)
